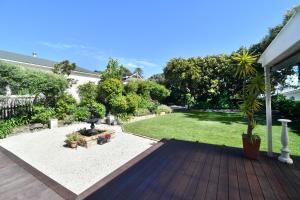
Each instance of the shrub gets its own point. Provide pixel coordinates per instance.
(133, 102)
(286, 107)
(66, 105)
(119, 104)
(100, 109)
(42, 114)
(69, 119)
(87, 93)
(148, 104)
(163, 108)
(141, 112)
(109, 88)
(82, 114)
(7, 126)
(34, 82)
(158, 92)
(132, 86)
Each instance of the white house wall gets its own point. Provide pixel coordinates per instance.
(79, 81)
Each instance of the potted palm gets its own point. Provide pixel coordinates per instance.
(253, 87)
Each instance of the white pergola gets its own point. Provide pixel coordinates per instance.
(284, 51)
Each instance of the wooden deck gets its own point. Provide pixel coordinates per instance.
(19, 180)
(186, 170)
(169, 170)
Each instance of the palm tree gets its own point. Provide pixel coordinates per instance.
(251, 102)
(244, 65)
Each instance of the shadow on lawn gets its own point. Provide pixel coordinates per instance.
(230, 118)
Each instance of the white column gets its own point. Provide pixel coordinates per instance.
(268, 109)
(285, 152)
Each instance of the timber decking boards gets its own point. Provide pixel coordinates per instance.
(171, 169)
(18, 183)
(190, 170)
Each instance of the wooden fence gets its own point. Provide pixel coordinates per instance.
(13, 106)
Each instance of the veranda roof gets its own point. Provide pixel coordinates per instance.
(284, 50)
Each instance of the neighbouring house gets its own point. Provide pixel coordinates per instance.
(292, 94)
(80, 75)
(134, 76)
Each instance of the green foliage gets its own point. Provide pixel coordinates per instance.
(87, 93)
(250, 103)
(163, 108)
(132, 86)
(133, 102)
(109, 88)
(287, 108)
(100, 109)
(114, 70)
(6, 126)
(82, 114)
(42, 114)
(74, 137)
(69, 119)
(158, 78)
(141, 112)
(27, 81)
(65, 105)
(158, 92)
(148, 104)
(138, 71)
(204, 78)
(119, 104)
(244, 63)
(64, 68)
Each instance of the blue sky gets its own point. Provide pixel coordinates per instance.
(137, 32)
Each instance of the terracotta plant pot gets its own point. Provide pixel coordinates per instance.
(73, 145)
(251, 148)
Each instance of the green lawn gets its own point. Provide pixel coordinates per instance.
(213, 128)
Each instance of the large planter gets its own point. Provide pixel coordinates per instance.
(251, 147)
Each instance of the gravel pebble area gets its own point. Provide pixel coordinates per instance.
(76, 169)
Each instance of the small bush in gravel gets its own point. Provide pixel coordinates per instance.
(69, 119)
(163, 108)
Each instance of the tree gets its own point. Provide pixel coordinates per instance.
(64, 68)
(138, 71)
(158, 78)
(114, 70)
(108, 89)
(244, 65)
(251, 103)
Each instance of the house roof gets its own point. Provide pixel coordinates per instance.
(284, 50)
(10, 56)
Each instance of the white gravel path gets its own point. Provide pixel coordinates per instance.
(78, 169)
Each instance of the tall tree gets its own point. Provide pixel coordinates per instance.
(64, 68)
(138, 71)
(114, 70)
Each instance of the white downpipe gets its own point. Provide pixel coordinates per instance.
(268, 110)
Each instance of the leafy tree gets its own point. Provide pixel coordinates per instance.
(34, 82)
(244, 65)
(138, 71)
(114, 70)
(88, 93)
(158, 78)
(108, 89)
(65, 105)
(64, 68)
